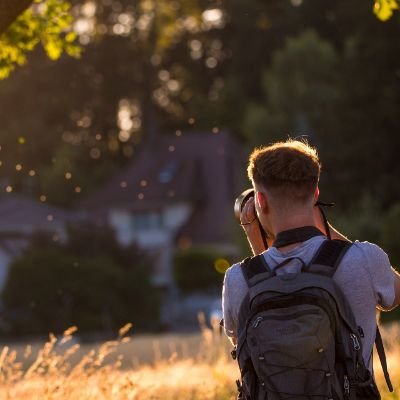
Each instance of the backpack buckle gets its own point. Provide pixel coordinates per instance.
(234, 354)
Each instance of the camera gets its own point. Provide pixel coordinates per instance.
(241, 201)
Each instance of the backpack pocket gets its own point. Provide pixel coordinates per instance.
(293, 352)
(367, 389)
(249, 388)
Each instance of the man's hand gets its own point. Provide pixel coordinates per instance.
(249, 221)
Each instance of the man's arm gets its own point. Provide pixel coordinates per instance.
(396, 288)
(226, 310)
(319, 223)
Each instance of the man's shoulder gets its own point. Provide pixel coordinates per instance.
(369, 251)
(234, 271)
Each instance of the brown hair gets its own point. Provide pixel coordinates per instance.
(287, 170)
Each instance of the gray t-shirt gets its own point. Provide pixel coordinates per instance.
(364, 275)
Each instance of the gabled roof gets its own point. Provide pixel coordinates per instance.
(18, 213)
(204, 169)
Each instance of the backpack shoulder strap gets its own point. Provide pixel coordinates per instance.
(382, 358)
(255, 269)
(328, 257)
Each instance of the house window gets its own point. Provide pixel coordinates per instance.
(148, 221)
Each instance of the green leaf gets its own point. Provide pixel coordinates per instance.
(70, 37)
(383, 9)
(49, 25)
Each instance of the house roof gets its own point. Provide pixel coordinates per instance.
(18, 213)
(200, 168)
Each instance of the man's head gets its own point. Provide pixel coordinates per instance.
(285, 176)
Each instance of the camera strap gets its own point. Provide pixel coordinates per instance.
(321, 204)
(264, 234)
(296, 235)
(301, 234)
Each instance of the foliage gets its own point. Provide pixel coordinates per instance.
(47, 22)
(196, 269)
(90, 282)
(363, 220)
(384, 9)
(390, 232)
(160, 60)
(300, 91)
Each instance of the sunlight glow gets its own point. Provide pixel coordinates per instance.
(95, 153)
(211, 62)
(89, 9)
(296, 3)
(213, 18)
(128, 120)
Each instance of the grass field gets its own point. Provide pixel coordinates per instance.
(168, 367)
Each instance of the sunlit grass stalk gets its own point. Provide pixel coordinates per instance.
(98, 374)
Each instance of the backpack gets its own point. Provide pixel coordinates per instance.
(297, 335)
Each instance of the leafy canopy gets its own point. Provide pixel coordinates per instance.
(47, 22)
(384, 9)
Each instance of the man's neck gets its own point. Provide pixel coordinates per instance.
(292, 222)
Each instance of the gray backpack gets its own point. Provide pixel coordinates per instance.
(297, 336)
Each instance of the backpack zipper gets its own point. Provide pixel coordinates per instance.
(283, 317)
(257, 322)
(346, 385)
(356, 343)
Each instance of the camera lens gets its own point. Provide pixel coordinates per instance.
(241, 201)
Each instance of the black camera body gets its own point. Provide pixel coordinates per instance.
(241, 201)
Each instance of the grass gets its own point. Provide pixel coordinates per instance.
(168, 367)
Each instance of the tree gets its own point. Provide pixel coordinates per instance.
(300, 92)
(133, 80)
(159, 66)
(47, 22)
(384, 9)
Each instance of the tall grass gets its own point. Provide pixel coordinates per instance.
(61, 370)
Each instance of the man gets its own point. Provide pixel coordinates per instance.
(285, 179)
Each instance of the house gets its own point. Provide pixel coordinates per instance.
(20, 217)
(178, 192)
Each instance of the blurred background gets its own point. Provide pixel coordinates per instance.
(125, 130)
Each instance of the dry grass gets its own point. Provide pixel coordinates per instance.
(190, 367)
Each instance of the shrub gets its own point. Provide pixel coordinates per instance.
(52, 287)
(196, 269)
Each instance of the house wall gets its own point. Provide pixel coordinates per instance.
(5, 261)
(154, 231)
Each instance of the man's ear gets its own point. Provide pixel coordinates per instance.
(316, 194)
(262, 201)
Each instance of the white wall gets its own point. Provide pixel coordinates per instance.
(154, 231)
